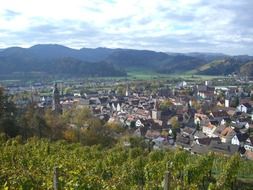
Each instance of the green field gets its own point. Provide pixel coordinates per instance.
(132, 75)
(149, 75)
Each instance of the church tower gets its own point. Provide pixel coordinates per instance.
(56, 106)
(156, 112)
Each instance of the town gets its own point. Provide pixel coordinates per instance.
(200, 116)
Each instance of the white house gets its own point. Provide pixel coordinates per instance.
(249, 144)
(241, 108)
(138, 123)
(249, 147)
(181, 84)
(246, 107)
(118, 107)
(235, 140)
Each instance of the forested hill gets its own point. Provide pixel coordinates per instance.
(55, 59)
(228, 65)
(59, 59)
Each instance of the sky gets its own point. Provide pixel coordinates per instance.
(224, 26)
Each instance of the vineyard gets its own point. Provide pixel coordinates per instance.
(30, 165)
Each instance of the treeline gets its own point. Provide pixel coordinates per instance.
(74, 125)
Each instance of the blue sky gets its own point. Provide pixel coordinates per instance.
(162, 25)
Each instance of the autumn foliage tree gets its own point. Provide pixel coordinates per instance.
(8, 123)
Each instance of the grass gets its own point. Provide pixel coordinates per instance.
(150, 75)
(134, 74)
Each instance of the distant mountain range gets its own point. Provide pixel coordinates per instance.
(60, 60)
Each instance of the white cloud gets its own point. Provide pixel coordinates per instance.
(166, 25)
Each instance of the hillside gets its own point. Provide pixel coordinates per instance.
(54, 51)
(208, 57)
(247, 69)
(224, 66)
(55, 59)
(90, 62)
(60, 60)
(31, 165)
(137, 58)
(179, 64)
(156, 61)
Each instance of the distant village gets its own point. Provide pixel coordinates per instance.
(199, 117)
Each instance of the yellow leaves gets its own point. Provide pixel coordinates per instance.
(80, 116)
(70, 135)
(174, 122)
(114, 127)
(94, 123)
(164, 105)
(164, 133)
(196, 104)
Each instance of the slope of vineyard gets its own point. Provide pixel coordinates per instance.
(30, 165)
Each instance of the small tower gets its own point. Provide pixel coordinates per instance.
(127, 90)
(173, 92)
(227, 100)
(156, 113)
(56, 106)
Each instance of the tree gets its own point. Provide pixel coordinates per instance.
(174, 122)
(7, 116)
(8, 126)
(165, 104)
(67, 90)
(87, 129)
(251, 96)
(80, 116)
(96, 133)
(2, 100)
(132, 124)
(235, 102)
(196, 105)
(114, 127)
(121, 90)
(197, 126)
(54, 123)
(7, 107)
(32, 123)
(71, 135)
(137, 142)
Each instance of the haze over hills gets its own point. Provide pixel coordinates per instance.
(57, 59)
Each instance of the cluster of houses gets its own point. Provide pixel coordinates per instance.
(204, 121)
(208, 118)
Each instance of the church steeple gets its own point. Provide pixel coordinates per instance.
(56, 106)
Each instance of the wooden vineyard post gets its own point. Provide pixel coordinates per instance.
(55, 179)
(166, 180)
